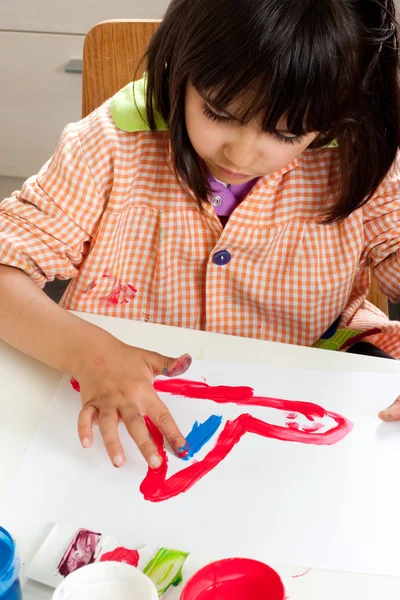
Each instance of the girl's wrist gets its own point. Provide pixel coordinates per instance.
(88, 345)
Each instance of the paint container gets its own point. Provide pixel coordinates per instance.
(105, 580)
(10, 588)
(235, 579)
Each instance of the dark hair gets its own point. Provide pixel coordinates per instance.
(327, 65)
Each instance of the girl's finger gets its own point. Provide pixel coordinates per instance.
(392, 413)
(170, 367)
(108, 424)
(138, 431)
(163, 419)
(87, 417)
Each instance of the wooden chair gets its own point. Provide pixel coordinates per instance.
(112, 52)
(111, 55)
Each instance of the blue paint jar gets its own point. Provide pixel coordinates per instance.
(10, 588)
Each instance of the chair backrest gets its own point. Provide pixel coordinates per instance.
(112, 52)
(111, 55)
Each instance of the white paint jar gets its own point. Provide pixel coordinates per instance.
(105, 580)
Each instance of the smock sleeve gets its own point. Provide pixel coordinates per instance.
(46, 227)
(382, 233)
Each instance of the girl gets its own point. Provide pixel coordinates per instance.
(248, 187)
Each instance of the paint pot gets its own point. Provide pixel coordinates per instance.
(10, 588)
(105, 580)
(235, 579)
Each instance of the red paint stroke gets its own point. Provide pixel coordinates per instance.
(236, 579)
(311, 427)
(301, 574)
(122, 555)
(80, 552)
(157, 488)
(293, 425)
(108, 274)
(122, 294)
(292, 416)
(75, 384)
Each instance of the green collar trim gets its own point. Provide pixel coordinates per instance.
(129, 115)
(333, 144)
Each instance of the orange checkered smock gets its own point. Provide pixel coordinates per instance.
(108, 212)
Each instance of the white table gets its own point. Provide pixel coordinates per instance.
(27, 388)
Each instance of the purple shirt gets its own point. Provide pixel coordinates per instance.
(226, 199)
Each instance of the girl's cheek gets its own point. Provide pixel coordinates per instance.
(208, 140)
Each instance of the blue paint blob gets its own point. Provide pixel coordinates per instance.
(200, 435)
(9, 566)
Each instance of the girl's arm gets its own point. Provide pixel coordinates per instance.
(116, 380)
(37, 326)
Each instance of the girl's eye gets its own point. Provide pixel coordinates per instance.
(288, 140)
(210, 114)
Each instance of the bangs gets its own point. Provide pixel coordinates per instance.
(291, 71)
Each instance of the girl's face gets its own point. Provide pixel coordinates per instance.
(236, 153)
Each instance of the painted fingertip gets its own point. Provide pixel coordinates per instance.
(118, 461)
(86, 443)
(183, 451)
(155, 461)
(181, 366)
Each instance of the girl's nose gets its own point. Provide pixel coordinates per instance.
(241, 153)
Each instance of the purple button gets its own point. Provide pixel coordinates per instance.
(223, 257)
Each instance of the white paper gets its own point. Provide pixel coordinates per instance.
(332, 507)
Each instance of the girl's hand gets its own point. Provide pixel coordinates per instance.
(117, 385)
(392, 413)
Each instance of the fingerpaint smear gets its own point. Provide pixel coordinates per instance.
(301, 574)
(201, 434)
(75, 384)
(235, 579)
(122, 555)
(109, 275)
(122, 294)
(157, 488)
(80, 552)
(165, 569)
(313, 427)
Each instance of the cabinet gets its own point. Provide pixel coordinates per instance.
(38, 39)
